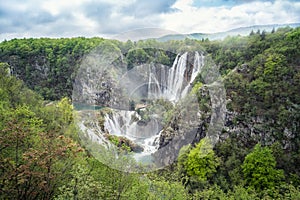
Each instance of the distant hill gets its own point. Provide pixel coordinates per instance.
(221, 35)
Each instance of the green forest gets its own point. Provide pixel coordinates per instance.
(41, 156)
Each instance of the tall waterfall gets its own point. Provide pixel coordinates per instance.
(174, 83)
(169, 83)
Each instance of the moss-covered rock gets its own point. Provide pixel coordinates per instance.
(124, 143)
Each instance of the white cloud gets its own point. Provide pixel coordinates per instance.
(52, 18)
(215, 19)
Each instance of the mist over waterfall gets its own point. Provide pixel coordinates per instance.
(135, 105)
(174, 83)
(158, 82)
(129, 123)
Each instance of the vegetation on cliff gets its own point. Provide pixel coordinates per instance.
(257, 156)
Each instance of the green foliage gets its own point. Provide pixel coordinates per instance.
(292, 193)
(118, 184)
(136, 57)
(201, 161)
(47, 65)
(32, 157)
(259, 169)
(231, 153)
(182, 157)
(241, 193)
(265, 86)
(213, 192)
(166, 190)
(196, 88)
(124, 145)
(81, 186)
(40, 157)
(162, 58)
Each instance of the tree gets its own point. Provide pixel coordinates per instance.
(259, 169)
(136, 57)
(251, 33)
(81, 186)
(167, 190)
(201, 161)
(273, 30)
(276, 68)
(263, 35)
(33, 162)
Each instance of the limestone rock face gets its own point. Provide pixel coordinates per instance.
(98, 88)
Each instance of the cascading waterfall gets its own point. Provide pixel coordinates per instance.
(174, 83)
(176, 78)
(197, 67)
(126, 123)
(169, 83)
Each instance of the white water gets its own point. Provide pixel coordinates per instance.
(171, 84)
(174, 83)
(126, 123)
(92, 130)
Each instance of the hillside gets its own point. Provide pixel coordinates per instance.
(256, 155)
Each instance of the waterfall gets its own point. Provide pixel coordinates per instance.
(148, 81)
(170, 83)
(130, 124)
(174, 83)
(92, 131)
(197, 67)
(176, 78)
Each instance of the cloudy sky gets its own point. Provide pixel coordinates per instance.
(106, 18)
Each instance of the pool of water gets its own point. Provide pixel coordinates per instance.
(79, 106)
